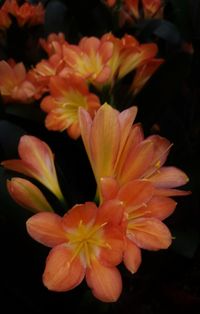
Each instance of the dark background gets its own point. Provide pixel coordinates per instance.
(169, 105)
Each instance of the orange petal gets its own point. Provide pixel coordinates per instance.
(19, 166)
(112, 255)
(62, 272)
(135, 193)
(161, 207)
(126, 119)
(89, 45)
(48, 103)
(134, 139)
(105, 282)
(132, 256)
(46, 228)
(39, 157)
(144, 73)
(104, 75)
(169, 177)
(85, 123)
(109, 188)
(137, 162)
(161, 149)
(84, 213)
(106, 51)
(105, 134)
(28, 195)
(171, 192)
(74, 130)
(149, 233)
(110, 211)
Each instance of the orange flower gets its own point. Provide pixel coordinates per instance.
(26, 13)
(87, 242)
(132, 6)
(27, 195)
(144, 212)
(152, 8)
(14, 84)
(53, 44)
(144, 73)
(5, 20)
(67, 95)
(36, 161)
(89, 59)
(127, 55)
(117, 149)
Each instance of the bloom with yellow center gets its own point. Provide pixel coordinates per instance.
(89, 59)
(86, 242)
(14, 84)
(67, 95)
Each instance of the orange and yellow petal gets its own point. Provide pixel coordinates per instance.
(104, 140)
(62, 271)
(28, 195)
(137, 162)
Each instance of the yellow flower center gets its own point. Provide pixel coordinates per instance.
(86, 241)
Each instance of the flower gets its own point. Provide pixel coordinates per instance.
(5, 20)
(86, 242)
(144, 73)
(26, 13)
(117, 149)
(152, 8)
(14, 84)
(89, 59)
(66, 96)
(143, 215)
(128, 54)
(36, 161)
(27, 195)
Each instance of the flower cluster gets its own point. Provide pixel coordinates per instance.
(77, 88)
(134, 10)
(134, 190)
(25, 14)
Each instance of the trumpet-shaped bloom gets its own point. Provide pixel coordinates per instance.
(143, 215)
(132, 10)
(14, 84)
(151, 7)
(28, 195)
(86, 242)
(117, 149)
(89, 59)
(26, 13)
(128, 54)
(37, 161)
(67, 95)
(144, 73)
(53, 44)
